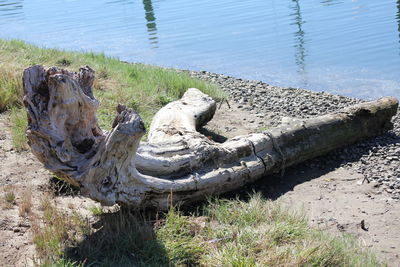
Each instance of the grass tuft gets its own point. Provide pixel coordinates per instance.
(25, 205)
(54, 231)
(9, 197)
(178, 234)
(96, 211)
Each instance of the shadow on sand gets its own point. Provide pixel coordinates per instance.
(121, 238)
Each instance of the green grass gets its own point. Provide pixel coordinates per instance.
(18, 121)
(223, 232)
(179, 236)
(141, 87)
(10, 88)
(96, 211)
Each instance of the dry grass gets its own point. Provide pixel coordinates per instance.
(25, 205)
(55, 230)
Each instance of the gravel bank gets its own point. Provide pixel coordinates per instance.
(377, 159)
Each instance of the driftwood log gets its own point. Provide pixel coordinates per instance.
(177, 164)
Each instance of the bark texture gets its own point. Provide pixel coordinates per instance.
(177, 164)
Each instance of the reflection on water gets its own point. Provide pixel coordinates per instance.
(348, 47)
(118, 2)
(300, 52)
(151, 22)
(331, 2)
(11, 9)
(398, 18)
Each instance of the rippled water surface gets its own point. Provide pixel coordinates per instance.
(340, 46)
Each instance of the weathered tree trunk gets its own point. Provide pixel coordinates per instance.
(177, 164)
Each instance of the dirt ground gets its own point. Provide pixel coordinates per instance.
(24, 174)
(333, 198)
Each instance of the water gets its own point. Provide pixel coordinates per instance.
(339, 46)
